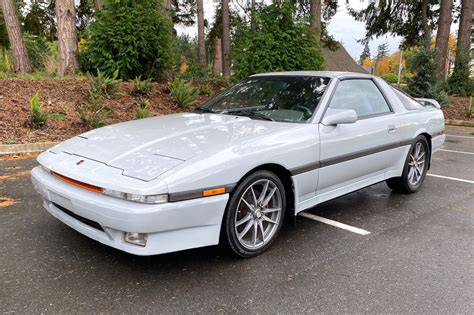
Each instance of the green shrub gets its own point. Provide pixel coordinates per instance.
(93, 112)
(103, 85)
(38, 50)
(424, 82)
(143, 109)
(37, 113)
(278, 41)
(142, 88)
(460, 83)
(6, 66)
(390, 77)
(132, 37)
(205, 89)
(184, 93)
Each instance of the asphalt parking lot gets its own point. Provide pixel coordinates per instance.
(418, 257)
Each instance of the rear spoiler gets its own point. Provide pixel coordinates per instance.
(428, 102)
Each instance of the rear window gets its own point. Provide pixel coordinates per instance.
(407, 101)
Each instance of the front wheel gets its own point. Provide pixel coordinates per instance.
(254, 214)
(416, 166)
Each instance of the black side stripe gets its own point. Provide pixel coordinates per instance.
(348, 157)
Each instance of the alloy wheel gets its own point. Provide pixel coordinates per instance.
(416, 164)
(258, 214)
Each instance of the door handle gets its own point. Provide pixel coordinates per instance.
(392, 128)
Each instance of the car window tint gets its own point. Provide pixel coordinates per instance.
(362, 96)
(407, 101)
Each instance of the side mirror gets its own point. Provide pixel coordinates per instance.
(339, 116)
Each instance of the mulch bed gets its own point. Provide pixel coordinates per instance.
(60, 97)
(457, 109)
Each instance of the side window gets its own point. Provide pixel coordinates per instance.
(407, 101)
(362, 96)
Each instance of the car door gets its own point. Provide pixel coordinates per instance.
(355, 155)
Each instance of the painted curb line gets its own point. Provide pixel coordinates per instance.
(25, 147)
(462, 123)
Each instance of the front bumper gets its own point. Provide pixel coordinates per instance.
(170, 226)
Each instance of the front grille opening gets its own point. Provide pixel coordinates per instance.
(88, 222)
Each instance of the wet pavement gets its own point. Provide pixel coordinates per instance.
(418, 257)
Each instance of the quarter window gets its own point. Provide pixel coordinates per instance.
(362, 96)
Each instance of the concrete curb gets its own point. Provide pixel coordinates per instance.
(25, 147)
(463, 123)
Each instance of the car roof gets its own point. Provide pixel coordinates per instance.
(330, 74)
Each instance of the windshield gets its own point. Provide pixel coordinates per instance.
(278, 98)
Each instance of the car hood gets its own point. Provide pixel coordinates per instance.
(146, 148)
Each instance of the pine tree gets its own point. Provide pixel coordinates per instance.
(382, 51)
(424, 82)
(460, 83)
(21, 61)
(365, 53)
(67, 37)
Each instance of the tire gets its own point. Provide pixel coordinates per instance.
(249, 227)
(413, 177)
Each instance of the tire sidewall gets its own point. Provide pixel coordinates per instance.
(231, 209)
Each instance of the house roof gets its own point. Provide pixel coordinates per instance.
(340, 60)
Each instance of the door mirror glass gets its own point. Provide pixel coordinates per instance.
(339, 116)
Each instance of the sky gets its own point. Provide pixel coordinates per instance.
(342, 26)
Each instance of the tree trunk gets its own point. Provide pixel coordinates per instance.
(315, 17)
(201, 41)
(252, 15)
(167, 7)
(98, 5)
(424, 24)
(442, 36)
(67, 37)
(21, 61)
(225, 39)
(465, 26)
(217, 62)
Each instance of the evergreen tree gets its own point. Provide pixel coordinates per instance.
(262, 49)
(424, 82)
(365, 53)
(399, 17)
(382, 51)
(460, 83)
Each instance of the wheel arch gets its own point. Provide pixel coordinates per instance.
(428, 139)
(285, 176)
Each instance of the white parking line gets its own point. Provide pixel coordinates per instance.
(456, 136)
(452, 178)
(334, 223)
(453, 151)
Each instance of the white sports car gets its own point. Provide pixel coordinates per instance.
(267, 148)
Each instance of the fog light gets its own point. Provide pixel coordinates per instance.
(136, 238)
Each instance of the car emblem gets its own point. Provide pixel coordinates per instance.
(80, 162)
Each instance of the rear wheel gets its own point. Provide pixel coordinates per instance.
(254, 214)
(416, 166)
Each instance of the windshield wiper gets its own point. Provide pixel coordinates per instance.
(204, 110)
(250, 114)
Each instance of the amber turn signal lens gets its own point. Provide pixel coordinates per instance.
(78, 183)
(212, 192)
